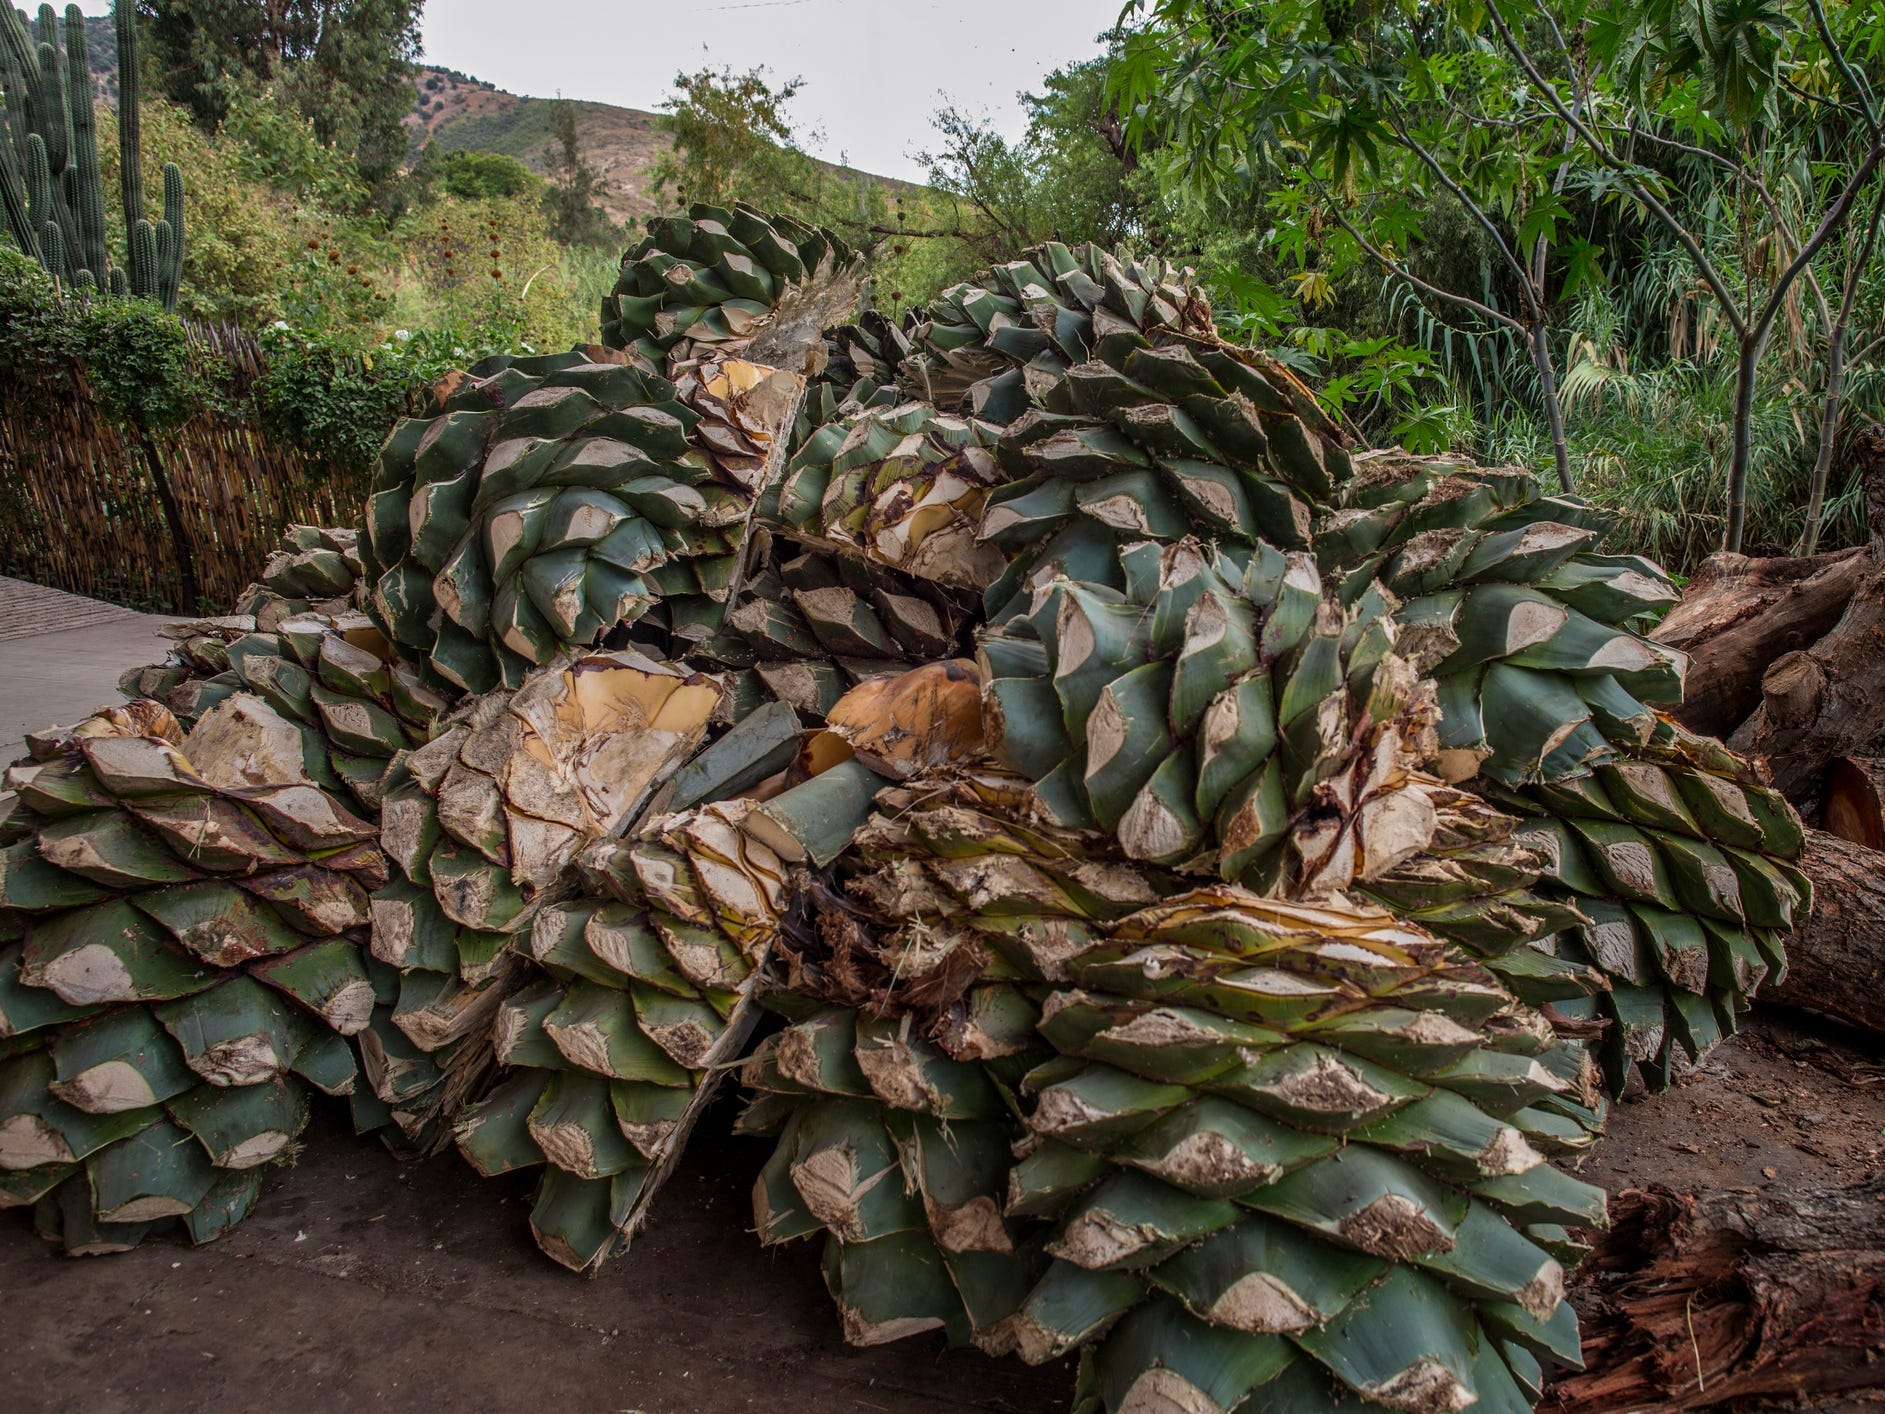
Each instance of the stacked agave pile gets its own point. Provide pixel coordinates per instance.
(644, 983)
(1286, 1151)
(316, 571)
(481, 828)
(1200, 979)
(643, 988)
(1262, 1126)
(186, 918)
(810, 624)
(359, 708)
(1120, 419)
(1673, 854)
(550, 499)
(715, 280)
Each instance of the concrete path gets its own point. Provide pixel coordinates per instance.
(60, 657)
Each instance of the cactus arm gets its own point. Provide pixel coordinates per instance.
(52, 121)
(88, 191)
(144, 260)
(161, 230)
(171, 273)
(52, 250)
(120, 285)
(13, 200)
(19, 74)
(130, 134)
(38, 185)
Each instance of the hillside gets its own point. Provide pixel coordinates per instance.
(462, 113)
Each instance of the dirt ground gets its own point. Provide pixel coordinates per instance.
(362, 1283)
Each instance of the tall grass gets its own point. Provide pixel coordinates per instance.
(1650, 438)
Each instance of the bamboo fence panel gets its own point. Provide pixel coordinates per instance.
(79, 510)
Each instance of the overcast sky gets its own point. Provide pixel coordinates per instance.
(875, 71)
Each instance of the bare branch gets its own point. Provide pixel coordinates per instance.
(1473, 209)
(1627, 172)
(1393, 267)
(1831, 222)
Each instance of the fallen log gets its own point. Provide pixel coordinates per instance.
(1738, 614)
(1727, 590)
(1836, 959)
(1691, 1301)
(1822, 702)
(1854, 797)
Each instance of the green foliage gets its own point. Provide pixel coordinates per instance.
(242, 236)
(1495, 164)
(494, 270)
(479, 176)
(275, 144)
(571, 203)
(35, 336)
(343, 65)
(733, 142)
(134, 353)
(327, 293)
(320, 394)
(137, 359)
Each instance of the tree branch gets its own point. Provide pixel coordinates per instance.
(1845, 69)
(1704, 266)
(1387, 262)
(1830, 223)
(1474, 210)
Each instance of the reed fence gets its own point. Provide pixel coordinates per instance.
(80, 509)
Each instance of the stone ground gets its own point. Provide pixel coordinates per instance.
(365, 1283)
(60, 657)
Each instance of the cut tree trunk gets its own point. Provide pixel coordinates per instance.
(1819, 696)
(1823, 702)
(1688, 1302)
(1727, 590)
(1854, 798)
(1738, 614)
(1836, 959)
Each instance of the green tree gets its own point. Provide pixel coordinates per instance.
(1539, 122)
(733, 142)
(477, 176)
(571, 202)
(344, 65)
(1073, 176)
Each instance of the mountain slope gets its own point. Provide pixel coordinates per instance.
(461, 113)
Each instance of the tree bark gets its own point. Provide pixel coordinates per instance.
(1746, 369)
(189, 588)
(1825, 701)
(1554, 410)
(1836, 958)
(1738, 614)
(1690, 1301)
(1836, 379)
(1855, 800)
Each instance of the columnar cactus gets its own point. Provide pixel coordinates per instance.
(51, 193)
